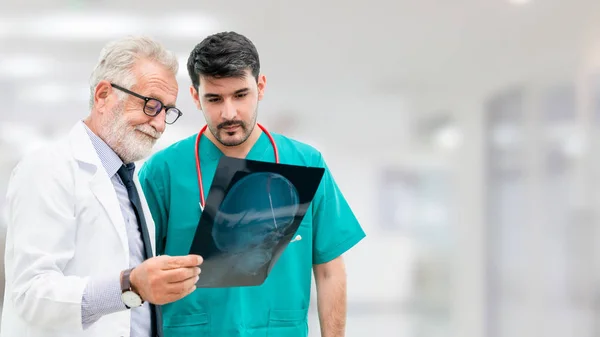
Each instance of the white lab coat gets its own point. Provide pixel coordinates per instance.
(64, 226)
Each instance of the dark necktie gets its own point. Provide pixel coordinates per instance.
(126, 173)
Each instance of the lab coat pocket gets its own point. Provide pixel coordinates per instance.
(186, 325)
(284, 323)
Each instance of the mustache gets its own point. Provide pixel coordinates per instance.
(230, 123)
(149, 130)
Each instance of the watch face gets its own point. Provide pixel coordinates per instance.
(131, 299)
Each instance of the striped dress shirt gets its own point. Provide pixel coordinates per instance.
(103, 296)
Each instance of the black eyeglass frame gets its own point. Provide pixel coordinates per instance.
(168, 109)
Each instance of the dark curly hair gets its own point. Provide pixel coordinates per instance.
(225, 54)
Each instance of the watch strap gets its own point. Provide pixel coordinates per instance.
(126, 283)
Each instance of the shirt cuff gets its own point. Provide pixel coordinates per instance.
(102, 296)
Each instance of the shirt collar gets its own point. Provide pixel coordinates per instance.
(109, 159)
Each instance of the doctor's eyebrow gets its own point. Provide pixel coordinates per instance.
(241, 91)
(237, 92)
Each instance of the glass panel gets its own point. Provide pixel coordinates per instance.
(506, 210)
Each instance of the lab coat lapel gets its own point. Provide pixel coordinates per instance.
(99, 182)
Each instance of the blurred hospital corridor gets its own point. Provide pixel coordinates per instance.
(464, 135)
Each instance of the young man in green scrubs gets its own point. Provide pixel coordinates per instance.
(226, 87)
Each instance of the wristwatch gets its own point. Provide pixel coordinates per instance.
(130, 298)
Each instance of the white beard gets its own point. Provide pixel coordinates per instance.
(129, 143)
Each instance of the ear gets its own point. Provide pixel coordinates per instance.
(102, 95)
(261, 84)
(195, 97)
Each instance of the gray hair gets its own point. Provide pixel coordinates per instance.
(118, 57)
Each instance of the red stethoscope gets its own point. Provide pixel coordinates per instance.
(199, 170)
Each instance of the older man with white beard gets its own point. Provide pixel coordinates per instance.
(80, 242)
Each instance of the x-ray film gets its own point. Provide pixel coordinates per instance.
(252, 212)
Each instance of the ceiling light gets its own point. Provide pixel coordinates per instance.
(54, 93)
(25, 66)
(448, 137)
(519, 2)
(45, 93)
(83, 26)
(109, 25)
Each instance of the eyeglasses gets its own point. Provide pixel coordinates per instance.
(153, 107)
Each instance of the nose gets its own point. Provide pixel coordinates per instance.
(228, 112)
(158, 121)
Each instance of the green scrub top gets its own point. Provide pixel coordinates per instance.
(278, 307)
